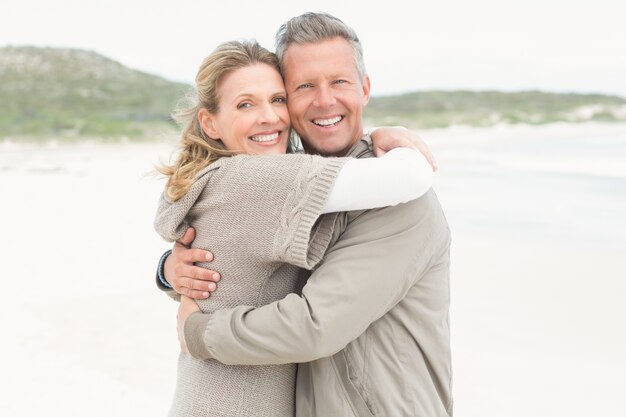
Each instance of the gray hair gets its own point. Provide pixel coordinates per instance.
(317, 27)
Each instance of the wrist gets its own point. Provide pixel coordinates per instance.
(161, 272)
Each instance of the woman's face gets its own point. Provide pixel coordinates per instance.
(252, 116)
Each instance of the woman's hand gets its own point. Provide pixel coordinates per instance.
(385, 139)
(185, 309)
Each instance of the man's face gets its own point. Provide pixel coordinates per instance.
(325, 95)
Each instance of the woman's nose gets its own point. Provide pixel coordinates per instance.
(269, 115)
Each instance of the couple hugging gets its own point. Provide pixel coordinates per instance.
(332, 265)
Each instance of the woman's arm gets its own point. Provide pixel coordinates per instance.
(399, 176)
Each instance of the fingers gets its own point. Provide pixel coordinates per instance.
(198, 294)
(378, 151)
(430, 158)
(194, 287)
(190, 256)
(424, 149)
(188, 237)
(193, 281)
(203, 274)
(195, 284)
(196, 273)
(186, 278)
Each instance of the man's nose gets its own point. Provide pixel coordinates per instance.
(324, 97)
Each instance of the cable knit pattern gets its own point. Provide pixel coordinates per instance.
(260, 215)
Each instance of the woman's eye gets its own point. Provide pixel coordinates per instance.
(244, 105)
(279, 100)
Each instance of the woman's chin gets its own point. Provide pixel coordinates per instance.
(276, 147)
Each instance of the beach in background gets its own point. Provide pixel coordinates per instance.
(538, 274)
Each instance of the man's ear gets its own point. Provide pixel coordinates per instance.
(366, 89)
(207, 123)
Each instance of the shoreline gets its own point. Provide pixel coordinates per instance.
(9, 143)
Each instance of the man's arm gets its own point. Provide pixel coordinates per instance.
(379, 257)
(177, 274)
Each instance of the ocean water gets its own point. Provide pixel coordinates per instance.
(563, 182)
(538, 276)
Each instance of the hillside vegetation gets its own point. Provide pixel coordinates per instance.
(486, 108)
(76, 93)
(70, 93)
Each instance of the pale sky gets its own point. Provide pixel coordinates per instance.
(553, 45)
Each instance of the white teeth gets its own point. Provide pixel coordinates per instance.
(327, 122)
(264, 138)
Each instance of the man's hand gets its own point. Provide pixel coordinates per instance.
(185, 309)
(181, 273)
(385, 139)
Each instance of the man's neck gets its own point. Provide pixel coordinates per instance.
(359, 149)
(344, 152)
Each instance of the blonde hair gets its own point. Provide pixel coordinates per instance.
(197, 149)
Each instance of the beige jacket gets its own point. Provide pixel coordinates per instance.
(372, 320)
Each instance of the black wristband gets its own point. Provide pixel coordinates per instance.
(161, 273)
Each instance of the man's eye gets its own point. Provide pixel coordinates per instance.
(303, 86)
(244, 105)
(340, 81)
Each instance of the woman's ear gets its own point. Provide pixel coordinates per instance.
(207, 123)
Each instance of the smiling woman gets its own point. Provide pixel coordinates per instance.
(268, 213)
(253, 118)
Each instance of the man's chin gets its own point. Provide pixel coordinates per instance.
(327, 149)
(329, 144)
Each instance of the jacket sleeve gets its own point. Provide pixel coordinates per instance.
(379, 257)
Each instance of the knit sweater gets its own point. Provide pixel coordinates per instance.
(262, 212)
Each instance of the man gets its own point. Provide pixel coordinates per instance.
(370, 330)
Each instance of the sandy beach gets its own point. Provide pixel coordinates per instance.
(539, 261)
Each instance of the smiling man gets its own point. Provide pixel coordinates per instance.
(325, 102)
(370, 329)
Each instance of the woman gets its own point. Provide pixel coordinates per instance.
(262, 208)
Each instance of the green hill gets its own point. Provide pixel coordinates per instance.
(486, 108)
(74, 93)
(70, 93)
